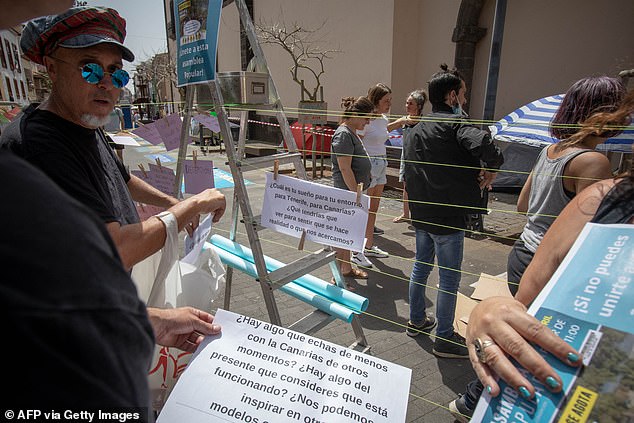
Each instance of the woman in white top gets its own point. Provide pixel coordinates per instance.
(374, 137)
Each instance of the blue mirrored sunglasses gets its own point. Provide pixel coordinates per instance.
(94, 73)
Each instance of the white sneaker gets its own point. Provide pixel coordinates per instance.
(375, 251)
(360, 260)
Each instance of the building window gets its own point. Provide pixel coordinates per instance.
(16, 57)
(8, 49)
(4, 60)
(17, 90)
(8, 81)
(23, 90)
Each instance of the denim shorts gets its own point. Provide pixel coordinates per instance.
(378, 171)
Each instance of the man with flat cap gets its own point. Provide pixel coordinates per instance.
(79, 336)
(82, 50)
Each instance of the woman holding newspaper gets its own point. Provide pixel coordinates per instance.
(562, 171)
(500, 326)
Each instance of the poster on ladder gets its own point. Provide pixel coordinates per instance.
(196, 23)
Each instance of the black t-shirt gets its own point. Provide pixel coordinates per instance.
(76, 159)
(75, 332)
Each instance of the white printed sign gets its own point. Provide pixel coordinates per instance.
(194, 244)
(258, 372)
(125, 140)
(330, 216)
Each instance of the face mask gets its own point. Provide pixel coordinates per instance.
(456, 108)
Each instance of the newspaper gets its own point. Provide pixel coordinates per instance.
(589, 303)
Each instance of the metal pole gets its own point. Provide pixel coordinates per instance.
(494, 60)
(245, 17)
(321, 165)
(182, 150)
(313, 145)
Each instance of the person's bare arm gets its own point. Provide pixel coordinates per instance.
(559, 238)
(138, 241)
(522, 200)
(586, 169)
(400, 122)
(504, 320)
(345, 165)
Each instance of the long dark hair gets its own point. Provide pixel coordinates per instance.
(604, 124)
(584, 98)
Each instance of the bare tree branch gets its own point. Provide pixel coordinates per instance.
(305, 49)
(156, 70)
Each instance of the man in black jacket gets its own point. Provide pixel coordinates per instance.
(448, 162)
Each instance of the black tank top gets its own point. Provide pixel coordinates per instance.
(618, 204)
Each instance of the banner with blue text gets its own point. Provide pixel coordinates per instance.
(196, 23)
(589, 303)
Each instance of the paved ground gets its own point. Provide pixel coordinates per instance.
(435, 382)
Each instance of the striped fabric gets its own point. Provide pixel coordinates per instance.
(42, 35)
(529, 125)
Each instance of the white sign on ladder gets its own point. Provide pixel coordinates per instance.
(328, 215)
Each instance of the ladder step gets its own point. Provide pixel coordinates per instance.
(301, 267)
(255, 221)
(312, 322)
(256, 163)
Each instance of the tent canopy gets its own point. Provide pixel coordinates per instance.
(530, 125)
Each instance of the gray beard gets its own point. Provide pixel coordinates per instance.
(94, 122)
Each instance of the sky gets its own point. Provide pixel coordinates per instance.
(145, 27)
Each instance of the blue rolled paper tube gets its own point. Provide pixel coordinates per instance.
(321, 287)
(306, 295)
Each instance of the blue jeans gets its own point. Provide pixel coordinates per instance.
(448, 249)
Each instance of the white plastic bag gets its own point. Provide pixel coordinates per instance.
(150, 275)
(163, 281)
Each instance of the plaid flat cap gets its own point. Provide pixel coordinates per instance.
(78, 27)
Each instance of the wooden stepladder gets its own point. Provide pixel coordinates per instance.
(238, 163)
